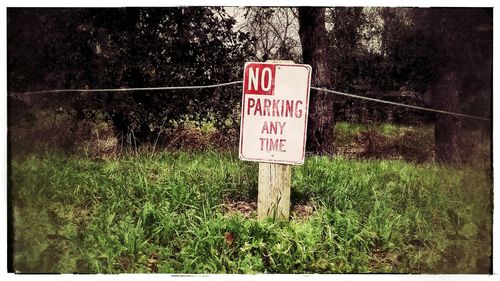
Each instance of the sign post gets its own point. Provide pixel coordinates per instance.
(273, 199)
(273, 130)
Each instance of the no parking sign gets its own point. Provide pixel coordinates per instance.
(274, 112)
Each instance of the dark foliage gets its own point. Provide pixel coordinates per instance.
(128, 47)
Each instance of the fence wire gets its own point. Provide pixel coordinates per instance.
(240, 82)
(401, 104)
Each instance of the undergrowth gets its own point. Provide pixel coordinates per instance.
(165, 212)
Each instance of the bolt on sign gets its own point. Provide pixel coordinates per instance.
(274, 112)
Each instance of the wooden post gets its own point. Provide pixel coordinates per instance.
(274, 191)
(274, 186)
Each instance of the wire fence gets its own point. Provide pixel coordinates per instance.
(240, 82)
(402, 104)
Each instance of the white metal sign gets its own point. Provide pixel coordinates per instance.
(274, 112)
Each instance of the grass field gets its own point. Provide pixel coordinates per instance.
(168, 212)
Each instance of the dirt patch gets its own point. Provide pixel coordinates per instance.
(249, 209)
(124, 261)
(382, 258)
(302, 211)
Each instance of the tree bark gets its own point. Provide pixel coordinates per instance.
(447, 129)
(462, 41)
(313, 37)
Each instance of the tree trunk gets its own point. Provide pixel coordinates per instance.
(447, 129)
(313, 38)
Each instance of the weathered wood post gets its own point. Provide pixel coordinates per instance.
(273, 130)
(274, 191)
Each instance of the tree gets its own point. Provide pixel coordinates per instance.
(129, 47)
(274, 31)
(406, 54)
(42, 54)
(313, 37)
(461, 41)
(344, 44)
(175, 46)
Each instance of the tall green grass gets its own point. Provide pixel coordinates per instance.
(164, 213)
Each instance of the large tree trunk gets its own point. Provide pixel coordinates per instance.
(462, 41)
(447, 129)
(313, 38)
